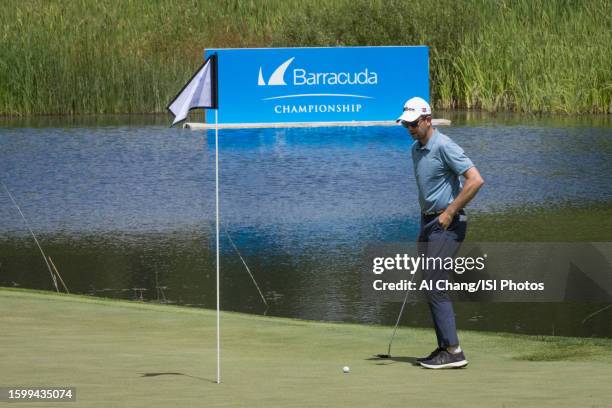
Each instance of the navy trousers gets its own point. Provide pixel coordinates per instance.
(436, 242)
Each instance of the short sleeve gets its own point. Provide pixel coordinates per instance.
(455, 157)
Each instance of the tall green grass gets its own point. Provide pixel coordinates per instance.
(131, 56)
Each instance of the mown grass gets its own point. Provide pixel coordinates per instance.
(555, 348)
(132, 56)
(119, 353)
(563, 349)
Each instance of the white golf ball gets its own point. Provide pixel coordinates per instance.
(346, 369)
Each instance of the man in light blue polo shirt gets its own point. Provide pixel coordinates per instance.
(439, 164)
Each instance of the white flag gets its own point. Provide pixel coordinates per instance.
(199, 92)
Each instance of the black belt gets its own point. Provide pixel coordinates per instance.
(432, 213)
(429, 214)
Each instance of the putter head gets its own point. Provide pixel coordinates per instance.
(383, 355)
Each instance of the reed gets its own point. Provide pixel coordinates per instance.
(94, 57)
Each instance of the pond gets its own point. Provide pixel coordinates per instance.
(125, 208)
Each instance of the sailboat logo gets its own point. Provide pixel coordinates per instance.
(278, 76)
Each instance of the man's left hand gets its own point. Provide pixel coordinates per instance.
(445, 219)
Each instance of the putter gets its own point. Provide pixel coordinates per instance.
(401, 312)
(399, 317)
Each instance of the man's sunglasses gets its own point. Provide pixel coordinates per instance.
(411, 124)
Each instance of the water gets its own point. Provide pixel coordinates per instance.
(124, 204)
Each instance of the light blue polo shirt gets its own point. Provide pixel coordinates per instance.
(437, 168)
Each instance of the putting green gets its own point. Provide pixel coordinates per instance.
(128, 354)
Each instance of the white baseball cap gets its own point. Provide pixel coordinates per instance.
(414, 108)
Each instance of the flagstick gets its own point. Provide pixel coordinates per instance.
(217, 207)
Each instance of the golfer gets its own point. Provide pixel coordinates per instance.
(439, 164)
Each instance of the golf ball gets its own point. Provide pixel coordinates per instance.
(346, 369)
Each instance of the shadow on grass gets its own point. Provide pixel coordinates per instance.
(400, 359)
(185, 375)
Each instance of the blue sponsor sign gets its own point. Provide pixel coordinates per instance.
(339, 84)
